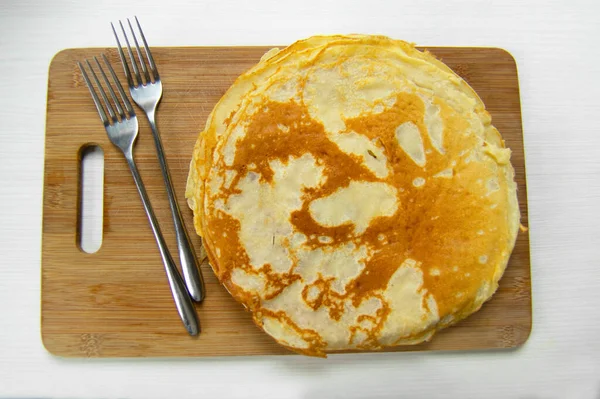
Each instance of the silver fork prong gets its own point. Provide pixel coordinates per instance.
(109, 107)
(110, 90)
(148, 53)
(123, 59)
(139, 53)
(97, 102)
(136, 71)
(126, 101)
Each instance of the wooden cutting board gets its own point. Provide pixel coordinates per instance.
(116, 302)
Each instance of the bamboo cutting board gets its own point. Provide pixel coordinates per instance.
(116, 302)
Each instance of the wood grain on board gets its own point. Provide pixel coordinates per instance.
(116, 302)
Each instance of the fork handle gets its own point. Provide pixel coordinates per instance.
(184, 304)
(187, 256)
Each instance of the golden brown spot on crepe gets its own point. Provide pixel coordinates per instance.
(265, 141)
(305, 223)
(376, 322)
(227, 120)
(326, 297)
(233, 254)
(378, 271)
(316, 345)
(277, 282)
(321, 284)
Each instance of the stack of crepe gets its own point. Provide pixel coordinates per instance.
(353, 194)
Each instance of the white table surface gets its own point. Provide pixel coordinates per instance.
(557, 48)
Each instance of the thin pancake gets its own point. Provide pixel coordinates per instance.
(352, 193)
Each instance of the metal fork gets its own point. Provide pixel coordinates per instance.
(122, 128)
(146, 91)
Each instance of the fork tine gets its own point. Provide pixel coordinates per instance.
(148, 53)
(139, 53)
(126, 101)
(136, 71)
(94, 95)
(109, 107)
(123, 59)
(110, 90)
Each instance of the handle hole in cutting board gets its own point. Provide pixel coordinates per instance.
(91, 196)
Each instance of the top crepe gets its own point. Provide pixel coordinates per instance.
(352, 193)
